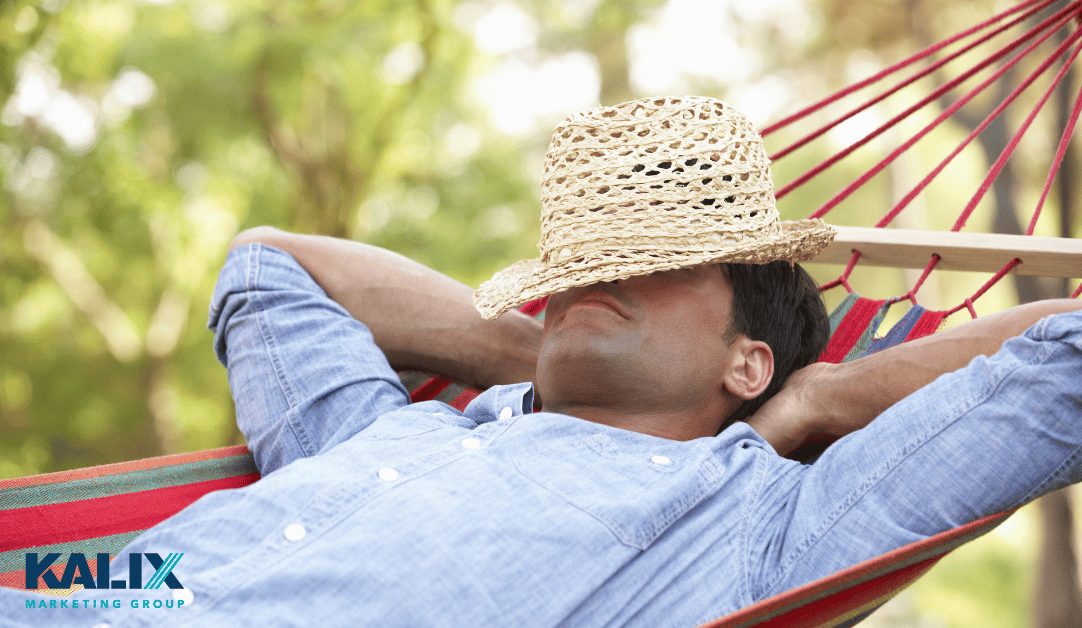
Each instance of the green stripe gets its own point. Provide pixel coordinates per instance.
(447, 395)
(127, 482)
(861, 347)
(412, 380)
(15, 560)
(839, 312)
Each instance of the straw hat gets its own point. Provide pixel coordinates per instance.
(651, 185)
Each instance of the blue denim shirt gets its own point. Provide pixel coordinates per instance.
(375, 511)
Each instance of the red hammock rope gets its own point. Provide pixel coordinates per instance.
(1068, 133)
(905, 83)
(1066, 51)
(930, 50)
(1061, 19)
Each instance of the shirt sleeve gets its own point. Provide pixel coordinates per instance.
(987, 438)
(305, 375)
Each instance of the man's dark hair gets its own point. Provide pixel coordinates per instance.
(779, 304)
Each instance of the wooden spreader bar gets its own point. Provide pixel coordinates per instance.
(987, 252)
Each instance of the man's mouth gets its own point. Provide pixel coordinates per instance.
(598, 299)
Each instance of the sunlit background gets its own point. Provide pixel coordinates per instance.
(137, 138)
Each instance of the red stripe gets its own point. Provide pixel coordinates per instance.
(122, 467)
(830, 586)
(826, 611)
(850, 330)
(533, 308)
(103, 516)
(17, 579)
(926, 325)
(463, 399)
(428, 390)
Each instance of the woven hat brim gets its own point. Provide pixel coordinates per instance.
(526, 280)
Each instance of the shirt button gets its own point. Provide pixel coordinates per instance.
(295, 532)
(506, 413)
(184, 595)
(471, 443)
(660, 460)
(387, 474)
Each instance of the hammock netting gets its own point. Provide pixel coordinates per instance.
(102, 508)
(1047, 47)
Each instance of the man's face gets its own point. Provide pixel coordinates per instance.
(654, 343)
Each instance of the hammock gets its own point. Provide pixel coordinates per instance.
(101, 509)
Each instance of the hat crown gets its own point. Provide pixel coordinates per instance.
(649, 186)
(687, 173)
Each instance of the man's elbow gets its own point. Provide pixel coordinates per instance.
(263, 234)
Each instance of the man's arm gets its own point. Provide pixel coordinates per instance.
(418, 317)
(827, 401)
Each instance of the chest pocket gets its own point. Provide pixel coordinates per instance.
(636, 495)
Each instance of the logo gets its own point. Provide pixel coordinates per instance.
(78, 571)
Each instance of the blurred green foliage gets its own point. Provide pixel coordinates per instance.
(138, 138)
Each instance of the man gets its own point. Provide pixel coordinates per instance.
(619, 503)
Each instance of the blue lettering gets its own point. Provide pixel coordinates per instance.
(135, 603)
(116, 603)
(169, 603)
(180, 603)
(41, 604)
(165, 572)
(146, 603)
(135, 570)
(77, 565)
(157, 603)
(63, 603)
(52, 603)
(35, 570)
(31, 604)
(103, 571)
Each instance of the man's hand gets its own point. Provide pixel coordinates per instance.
(419, 318)
(784, 421)
(823, 402)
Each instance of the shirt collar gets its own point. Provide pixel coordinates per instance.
(501, 402)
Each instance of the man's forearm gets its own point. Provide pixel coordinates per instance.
(419, 318)
(828, 401)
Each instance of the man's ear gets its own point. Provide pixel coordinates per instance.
(751, 368)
